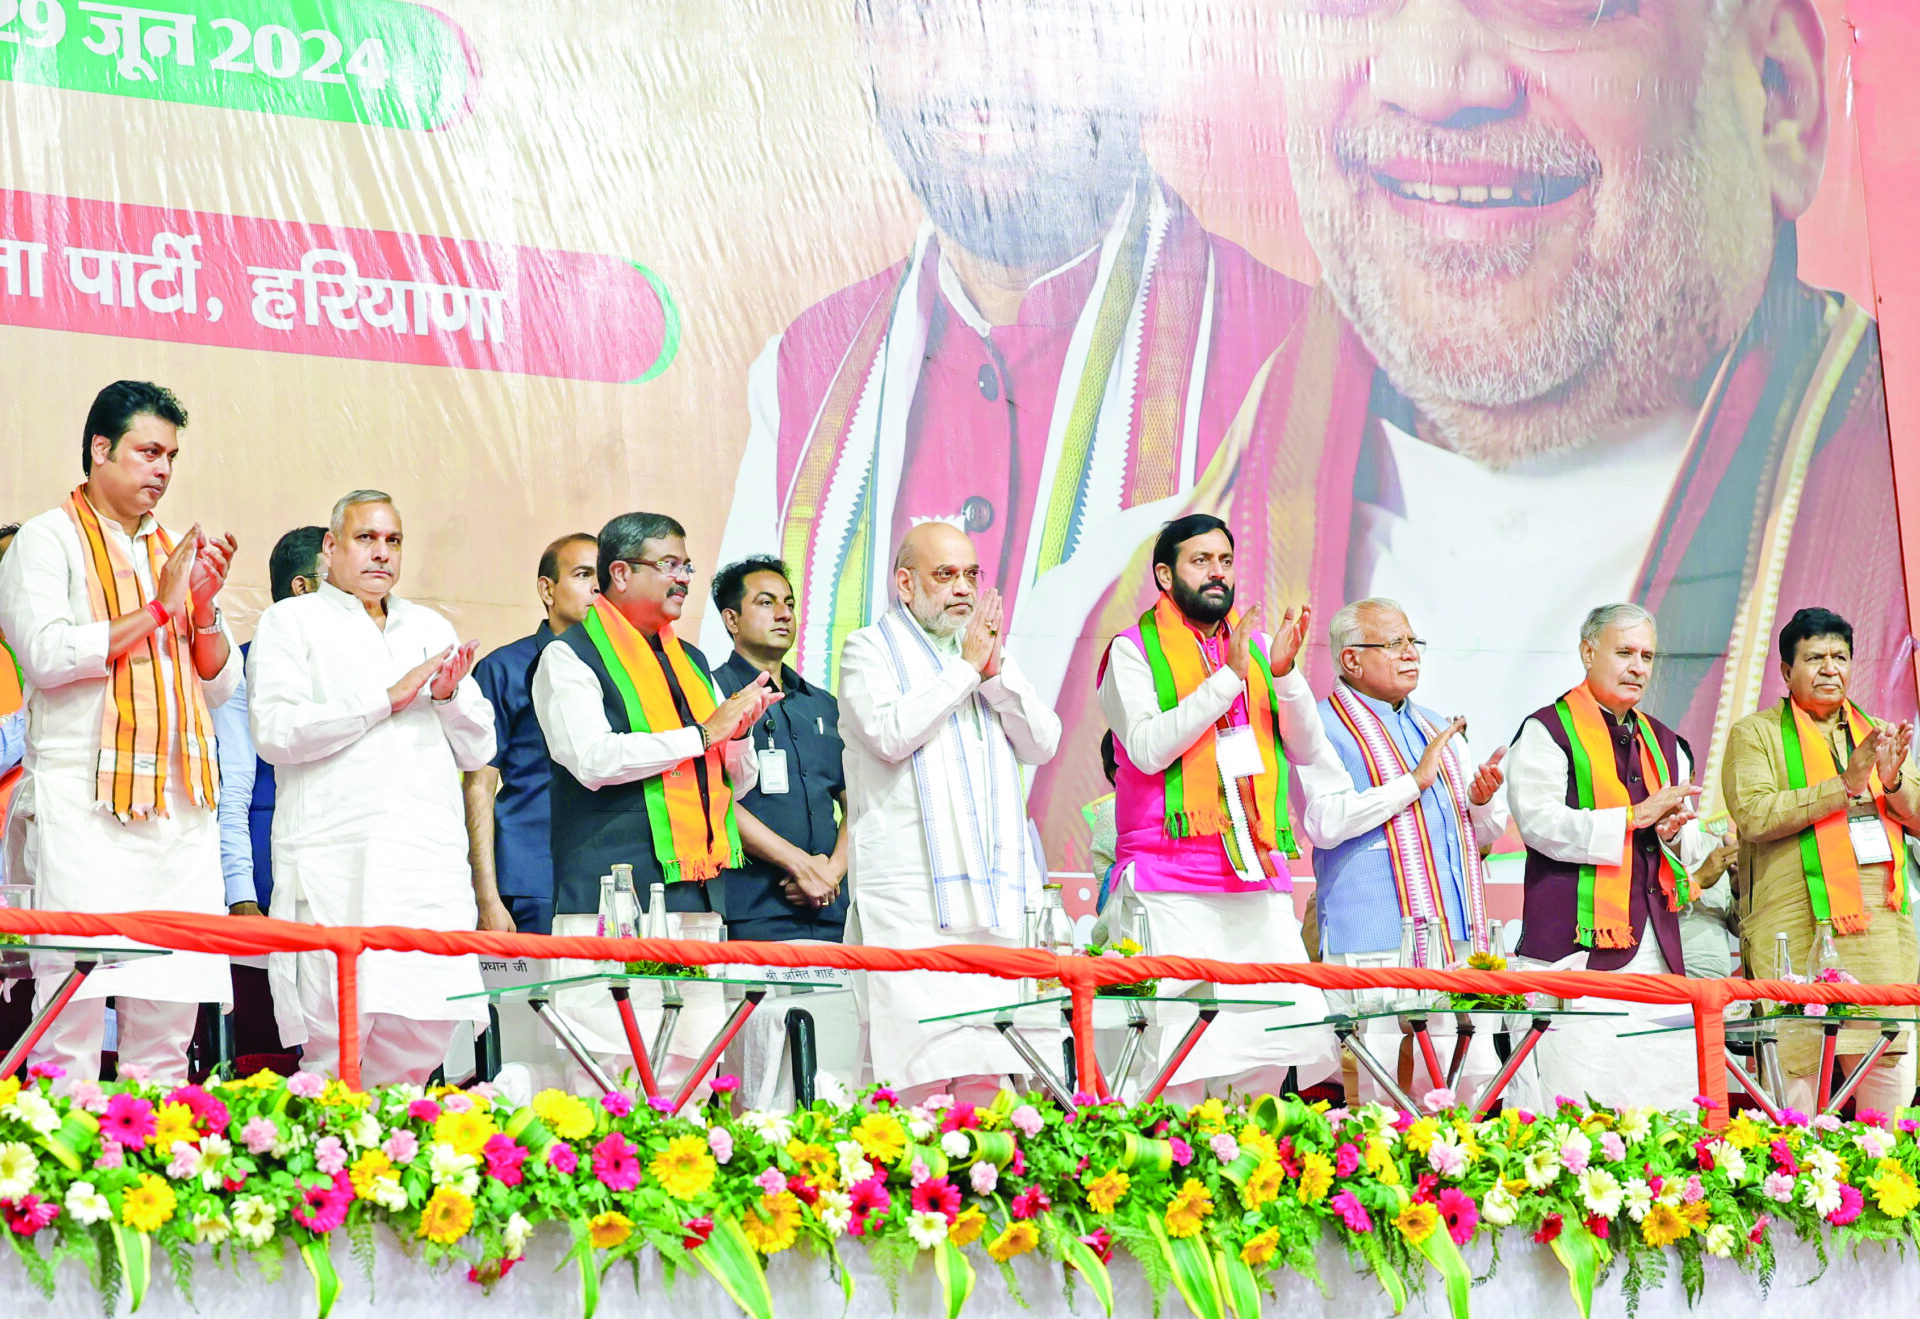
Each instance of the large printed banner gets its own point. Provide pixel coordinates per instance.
(1500, 308)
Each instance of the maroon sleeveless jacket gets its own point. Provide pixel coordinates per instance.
(1551, 907)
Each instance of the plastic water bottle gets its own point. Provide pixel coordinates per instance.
(655, 926)
(1826, 956)
(1053, 932)
(1409, 958)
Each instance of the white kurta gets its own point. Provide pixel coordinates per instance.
(1259, 925)
(888, 867)
(1587, 1058)
(369, 827)
(568, 702)
(77, 855)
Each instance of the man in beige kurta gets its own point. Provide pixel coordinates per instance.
(1816, 655)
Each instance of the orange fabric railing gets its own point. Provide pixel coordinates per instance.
(243, 935)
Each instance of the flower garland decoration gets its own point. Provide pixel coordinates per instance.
(1215, 1199)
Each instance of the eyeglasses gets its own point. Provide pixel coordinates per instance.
(1397, 646)
(679, 569)
(946, 574)
(1542, 25)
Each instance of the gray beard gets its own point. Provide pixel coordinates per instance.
(1629, 332)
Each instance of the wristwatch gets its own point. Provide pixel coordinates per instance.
(212, 627)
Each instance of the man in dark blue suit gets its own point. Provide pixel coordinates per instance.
(508, 830)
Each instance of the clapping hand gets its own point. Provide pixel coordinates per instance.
(1289, 638)
(1240, 642)
(213, 560)
(1428, 769)
(457, 665)
(1487, 779)
(1893, 752)
(736, 714)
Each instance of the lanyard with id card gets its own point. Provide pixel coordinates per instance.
(1236, 752)
(773, 767)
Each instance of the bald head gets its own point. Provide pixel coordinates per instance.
(937, 575)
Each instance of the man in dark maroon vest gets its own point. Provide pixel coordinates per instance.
(1603, 798)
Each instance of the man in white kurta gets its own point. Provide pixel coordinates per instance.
(937, 723)
(362, 702)
(69, 843)
(1214, 883)
(1589, 1059)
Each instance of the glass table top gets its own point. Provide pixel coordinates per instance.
(1760, 1028)
(1447, 1016)
(16, 959)
(1110, 1011)
(610, 979)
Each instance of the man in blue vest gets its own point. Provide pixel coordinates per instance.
(508, 823)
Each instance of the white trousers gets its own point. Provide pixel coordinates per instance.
(393, 1049)
(1587, 1059)
(154, 1035)
(1887, 1088)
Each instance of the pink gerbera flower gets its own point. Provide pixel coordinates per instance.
(29, 1214)
(1031, 1202)
(937, 1195)
(1462, 1216)
(129, 1121)
(1851, 1203)
(324, 1208)
(869, 1200)
(615, 1163)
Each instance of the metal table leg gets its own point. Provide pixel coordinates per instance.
(1061, 1092)
(720, 1042)
(1185, 1047)
(571, 1042)
(801, 1050)
(1535, 1031)
(1347, 1033)
(44, 1018)
(642, 1063)
(1859, 1073)
(1754, 1088)
(486, 1047)
(669, 1018)
(1422, 1037)
(1772, 1077)
(1829, 1044)
(1463, 1031)
(1130, 1051)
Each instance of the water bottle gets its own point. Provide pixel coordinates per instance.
(626, 904)
(1409, 958)
(1053, 931)
(606, 922)
(1496, 941)
(655, 926)
(1826, 956)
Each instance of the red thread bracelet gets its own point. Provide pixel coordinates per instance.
(159, 611)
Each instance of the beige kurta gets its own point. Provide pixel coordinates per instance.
(1773, 894)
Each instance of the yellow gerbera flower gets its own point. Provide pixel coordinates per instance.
(1697, 1214)
(446, 1217)
(174, 1122)
(816, 1163)
(368, 1171)
(882, 1137)
(772, 1225)
(684, 1167)
(9, 1090)
(1016, 1239)
(1261, 1249)
(1258, 1143)
(605, 1231)
(566, 1116)
(1262, 1184)
(1663, 1226)
(1188, 1209)
(1894, 1189)
(146, 1206)
(1416, 1222)
(1209, 1117)
(467, 1132)
(1743, 1133)
(966, 1229)
(1379, 1161)
(1316, 1177)
(1104, 1191)
(1420, 1135)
